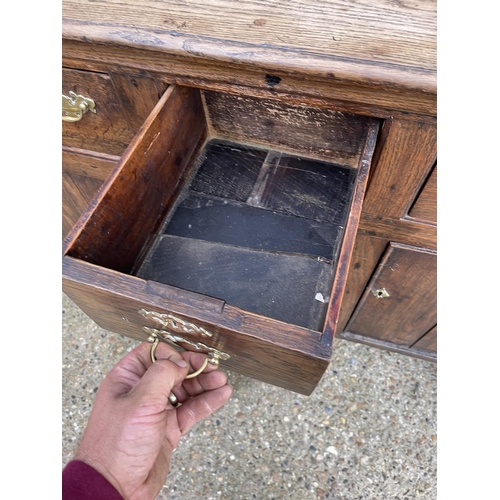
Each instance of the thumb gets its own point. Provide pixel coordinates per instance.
(156, 384)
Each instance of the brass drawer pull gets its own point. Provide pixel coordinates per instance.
(155, 341)
(75, 106)
(214, 355)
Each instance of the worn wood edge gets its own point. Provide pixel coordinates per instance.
(206, 74)
(230, 317)
(284, 59)
(344, 261)
(82, 221)
(298, 97)
(389, 346)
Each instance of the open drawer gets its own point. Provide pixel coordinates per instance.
(227, 227)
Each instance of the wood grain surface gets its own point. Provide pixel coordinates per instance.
(400, 36)
(425, 207)
(268, 350)
(300, 130)
(408, 275)
(131, 207)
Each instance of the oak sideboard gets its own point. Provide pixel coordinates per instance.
(253, 179)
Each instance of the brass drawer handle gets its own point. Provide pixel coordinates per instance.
(75, 106)
(155, 341)
(214, 355)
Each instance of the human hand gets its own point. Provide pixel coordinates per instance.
(133, 429)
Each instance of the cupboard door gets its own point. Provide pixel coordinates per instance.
(399, 304)
(425, 207)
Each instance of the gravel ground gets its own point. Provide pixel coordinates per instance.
(368, 431)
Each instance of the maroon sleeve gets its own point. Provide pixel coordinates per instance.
(82, 482)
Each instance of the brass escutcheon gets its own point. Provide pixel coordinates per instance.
(178, 325)
(75, 106)
(380, 293)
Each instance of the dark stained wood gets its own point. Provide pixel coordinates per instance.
(408, 274)
(140, 191)
(74, 199)
(365, 257)
(275, 285)
(312, 189)
(88, 163)
(222, 221)
(228, 170)
(425, 207)
(300, 130)
(138, 96)
(428, 341)
(274, 352)
(342, 268)
(406, 158)
(106, 130)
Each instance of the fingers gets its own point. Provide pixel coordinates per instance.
(156, 384)
(200, 384)
(201, 406)
(129, 371)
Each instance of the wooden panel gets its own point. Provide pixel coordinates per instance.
(276, 285)
(312, 189)
(228, 170)
(408, 274)
(428, 341)
(270, 351)
(365, 256)
(138, 96)
(159, 156)
(407, 231)
(405, 160)
(222, 221)
(106, 130)
(301, 130)
(81, 162)
(77, 192)
(425, 207)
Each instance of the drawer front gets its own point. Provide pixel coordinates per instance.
(290, 358)
(425, 206)
(399, 304)
(82, 177)
(106, 130)
(107, 251)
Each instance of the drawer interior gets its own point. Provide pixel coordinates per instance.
(242, 199)
(257, 228)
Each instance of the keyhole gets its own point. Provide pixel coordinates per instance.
(380, 293)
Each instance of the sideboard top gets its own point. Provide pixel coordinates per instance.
(390, 44)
